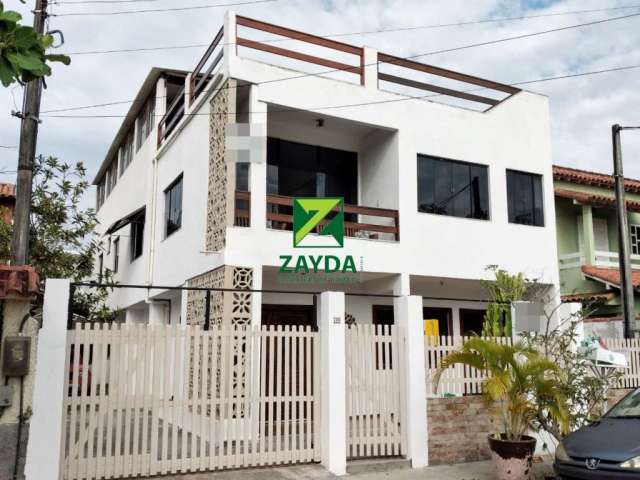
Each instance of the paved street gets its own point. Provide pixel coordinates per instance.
(463, 471)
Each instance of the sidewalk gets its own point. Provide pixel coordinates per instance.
(462, 471)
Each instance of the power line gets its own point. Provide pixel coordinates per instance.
(156, 10)
(7, 146)
(100, 1)
(491, 42)
(363, 32)
(526, 82)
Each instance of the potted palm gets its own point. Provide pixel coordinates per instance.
(519, 381)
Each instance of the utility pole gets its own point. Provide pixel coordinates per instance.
(626, 280)
(26, 153)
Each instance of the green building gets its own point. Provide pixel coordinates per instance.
(587, 234)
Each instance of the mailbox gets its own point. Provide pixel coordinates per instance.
(15, 358)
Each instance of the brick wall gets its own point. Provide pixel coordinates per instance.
(458, 429)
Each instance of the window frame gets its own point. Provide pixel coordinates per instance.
(531, 175)
(134, 226)
(116, 254)
(179, 180)
(423, 156)
(632, 227)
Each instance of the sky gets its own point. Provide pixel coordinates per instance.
(582, 109)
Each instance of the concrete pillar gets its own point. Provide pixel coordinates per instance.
(333, 434)
(370, 68)
(409, 321)
(256, 300)
(588, 238)
(45, 430)
(158, 313)
(229, 43)
(258, 166)
(187, 92)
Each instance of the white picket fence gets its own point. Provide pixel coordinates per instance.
(374, 385)
(456, 380)
(631, 348)
(148, 400)
(463, 380)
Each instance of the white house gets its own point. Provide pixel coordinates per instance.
(196, 188)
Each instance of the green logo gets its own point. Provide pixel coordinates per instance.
(322, 215)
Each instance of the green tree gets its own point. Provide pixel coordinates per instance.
(521, 383)
(23, 54)
(62, 242)
(503, 289)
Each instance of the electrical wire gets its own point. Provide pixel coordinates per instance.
(462, 47)
(363, 32)
(527, 82)
(157, 10)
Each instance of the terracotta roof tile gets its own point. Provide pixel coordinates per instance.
(589, 296)
(610, 275)
(585, 177)
(593, 199)
(18, 281)
(7, 190)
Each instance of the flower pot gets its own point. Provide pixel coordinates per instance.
(512, 459)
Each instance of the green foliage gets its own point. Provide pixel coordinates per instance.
(503, 290)
(521, 383)
(61, 237)
(23, 54)
(584, 388)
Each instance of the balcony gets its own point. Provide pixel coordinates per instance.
(360, 222)
(602, 259)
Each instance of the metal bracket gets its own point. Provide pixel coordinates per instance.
(22, 116)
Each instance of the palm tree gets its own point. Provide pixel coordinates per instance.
(520, 381)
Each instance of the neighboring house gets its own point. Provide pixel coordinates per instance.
(434, 192)
(588, 244)
(7, 202)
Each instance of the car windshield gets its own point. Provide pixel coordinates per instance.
(629, 407)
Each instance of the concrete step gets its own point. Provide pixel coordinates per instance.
(374, 465)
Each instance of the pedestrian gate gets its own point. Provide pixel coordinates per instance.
(147, 400)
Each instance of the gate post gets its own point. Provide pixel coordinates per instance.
(44, 450)
(410, 323)
(332, 394)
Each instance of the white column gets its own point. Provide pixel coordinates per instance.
(258, 166)
(187, 92)
(229, 43)
(370, 68)
(45, 429)
(333, 434)
(158, 313)
(409, 314)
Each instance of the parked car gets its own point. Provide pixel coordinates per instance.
(608, 449)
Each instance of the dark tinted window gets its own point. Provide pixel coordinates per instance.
(443, 315)
(242, 177)
(524, 192)
(116, 254)
(300, 170)
(173, 206)
(447, 187)
(471, 321)
(137, 235)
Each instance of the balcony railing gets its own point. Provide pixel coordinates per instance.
(602, 259)
(381, 223)
(372, 223)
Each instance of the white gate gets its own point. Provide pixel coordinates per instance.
(374, 391)
(148, 400)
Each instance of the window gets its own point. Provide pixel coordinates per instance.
(448, 187)
(100, 266)
(145, 121)
(471, 321)
(100, 193)
(635, 239)
(173, 206)
(126, 153)
(382, 314)
(137, 235)
(116, 254)
(524, 198)
(443, 316)
(112, 176)
(242, 177)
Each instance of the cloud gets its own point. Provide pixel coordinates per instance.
(583, 109)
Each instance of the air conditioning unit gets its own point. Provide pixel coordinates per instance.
(597, 351)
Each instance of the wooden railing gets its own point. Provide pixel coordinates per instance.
(242, 209)
(200, 78)
(383, 59)
(281, 219)
(303, 37)
(170, 120)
